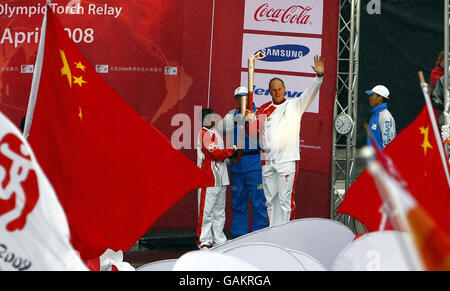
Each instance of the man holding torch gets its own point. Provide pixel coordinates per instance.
(278, 123)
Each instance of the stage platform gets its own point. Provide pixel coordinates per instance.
(163, 244)
(158, 245)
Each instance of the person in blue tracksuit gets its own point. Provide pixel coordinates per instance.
(382, 124)
(246, 176)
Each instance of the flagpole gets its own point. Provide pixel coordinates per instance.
(36, 75)
(426, 95)
(445, 127)
(397, 215)
(392, 207)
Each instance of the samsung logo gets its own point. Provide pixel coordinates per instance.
(265, 92)
(282, 53)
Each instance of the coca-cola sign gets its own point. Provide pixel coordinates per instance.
(294, 16)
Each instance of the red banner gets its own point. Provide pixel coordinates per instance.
(165, 57)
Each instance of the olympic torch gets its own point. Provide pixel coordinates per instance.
(243, 105)
(251, 78)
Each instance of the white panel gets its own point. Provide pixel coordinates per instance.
(375, 251)
(206, 260)
(163, 265)
(322, 239)
(295, 85)
(266, 257)
(296, 16)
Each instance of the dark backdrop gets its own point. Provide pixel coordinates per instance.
(404, 38)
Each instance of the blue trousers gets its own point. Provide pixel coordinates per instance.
(244, 186)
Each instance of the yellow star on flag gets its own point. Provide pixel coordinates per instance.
(426, 143)
(80, 66)
(80, 114)
(79, 80)
(65, 70)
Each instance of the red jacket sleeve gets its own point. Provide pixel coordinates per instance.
(436, 74)
(210, 149)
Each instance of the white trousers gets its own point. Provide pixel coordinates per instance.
(279, 187)
(211, 216)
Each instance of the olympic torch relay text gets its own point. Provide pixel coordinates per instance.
(89, 9)
(17, 37)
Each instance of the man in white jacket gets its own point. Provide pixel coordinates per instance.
(278, 123)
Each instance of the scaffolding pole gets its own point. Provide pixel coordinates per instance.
(445, 128)
(344, 146)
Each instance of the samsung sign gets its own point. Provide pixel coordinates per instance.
(282, 53)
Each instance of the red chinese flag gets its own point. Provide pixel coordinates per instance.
(431, 243)
(114, 173)
(416, 155)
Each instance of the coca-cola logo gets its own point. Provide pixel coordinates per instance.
(295, 14)
(19, 191)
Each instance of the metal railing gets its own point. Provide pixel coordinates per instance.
(346, 102)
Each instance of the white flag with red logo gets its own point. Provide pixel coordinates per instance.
(34, 233)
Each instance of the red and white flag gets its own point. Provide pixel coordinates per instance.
(431, 249)
(417, 154)
(34, 233)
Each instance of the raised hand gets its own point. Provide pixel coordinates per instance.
(318, 67)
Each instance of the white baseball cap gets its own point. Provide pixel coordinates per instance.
(380, 90)
(241, 91)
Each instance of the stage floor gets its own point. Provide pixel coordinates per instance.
(158, 245)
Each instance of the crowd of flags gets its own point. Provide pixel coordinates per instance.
(93, 175)
(112, 172)
(408, 183)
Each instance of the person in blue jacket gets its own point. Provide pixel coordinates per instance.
(246, 176)
(382, 124)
